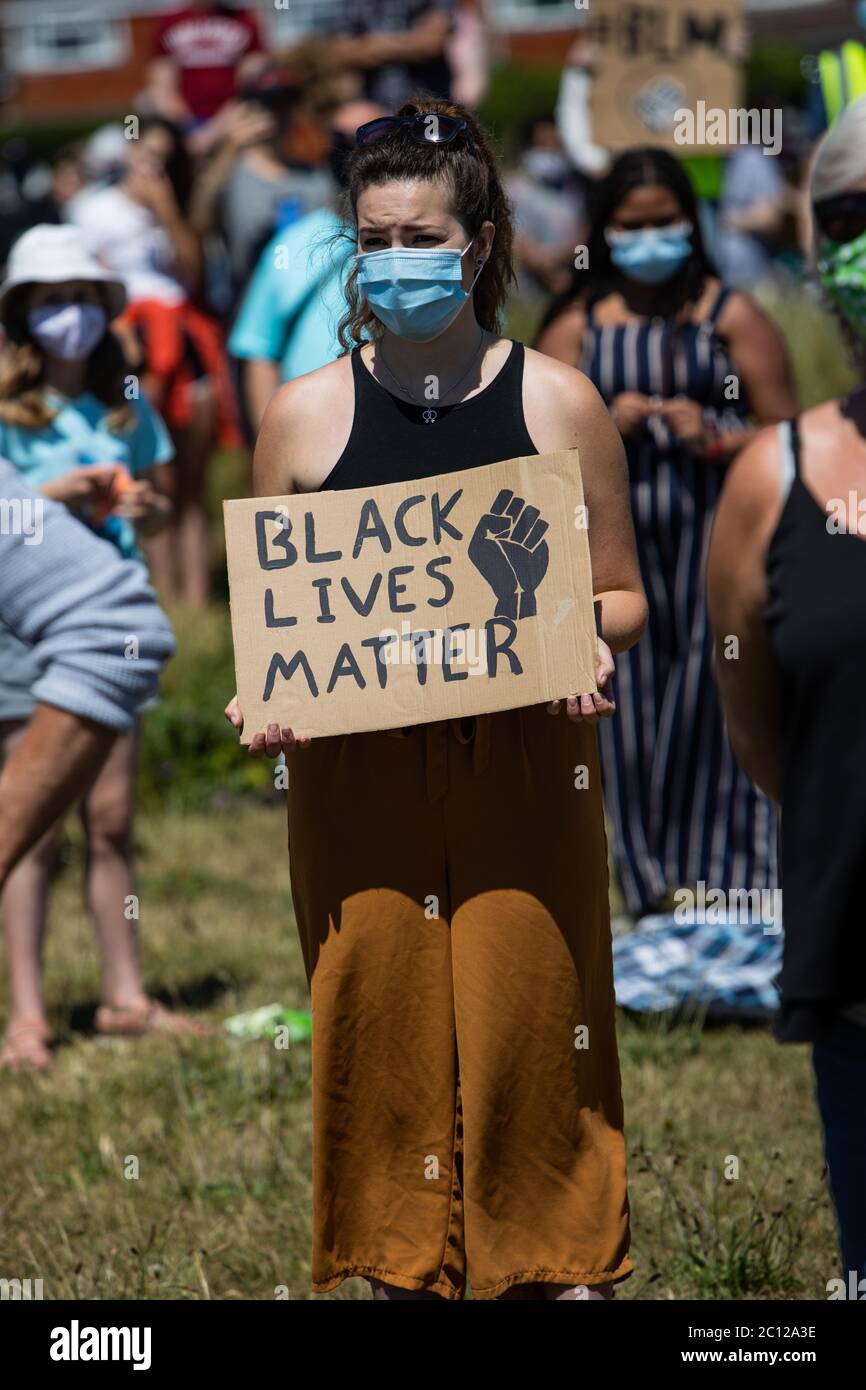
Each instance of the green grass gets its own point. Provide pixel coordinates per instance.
(220, 1129)
(819, 358)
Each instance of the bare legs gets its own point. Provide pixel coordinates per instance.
(179, 556)
(23, 906)
(106, 812)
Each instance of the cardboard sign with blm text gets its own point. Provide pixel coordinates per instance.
(657, 58)
(411, 602)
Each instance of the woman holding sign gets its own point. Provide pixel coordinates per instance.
(450, 880)
(686, 366)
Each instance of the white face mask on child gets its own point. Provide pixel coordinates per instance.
(70, 331)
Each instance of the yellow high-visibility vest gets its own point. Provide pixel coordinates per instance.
(843, 78)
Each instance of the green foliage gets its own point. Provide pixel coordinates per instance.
(820, 358)
(706, 172)
(45, 137)
(517, 95)
(190, 755)
(776, 69)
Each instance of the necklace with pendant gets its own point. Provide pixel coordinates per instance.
(430, 415)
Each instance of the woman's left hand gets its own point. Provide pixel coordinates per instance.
(686, 419)
(589, 709)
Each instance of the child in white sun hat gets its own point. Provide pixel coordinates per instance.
(75, 426)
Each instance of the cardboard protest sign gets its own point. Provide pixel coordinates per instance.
(412, 602)
(657, 58)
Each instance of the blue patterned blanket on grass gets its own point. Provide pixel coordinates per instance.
(722, 971)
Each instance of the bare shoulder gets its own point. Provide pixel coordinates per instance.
(820, 429)
(563, 336)
(740, 314)
(555, 375)
(753, 488)
(751, 499)
(563, 408)
(299, 402)
(305, 429)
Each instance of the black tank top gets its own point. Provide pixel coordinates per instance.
(392, 442)
(817, 622)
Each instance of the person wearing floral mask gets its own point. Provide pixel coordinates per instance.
(840, 221)
(689, 369)
(74, 431)
(787, 574)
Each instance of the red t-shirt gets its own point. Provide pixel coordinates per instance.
(207, 46)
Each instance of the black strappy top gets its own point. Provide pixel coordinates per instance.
(392, 441)
(817, 622)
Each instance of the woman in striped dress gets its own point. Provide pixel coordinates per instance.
(689, 370)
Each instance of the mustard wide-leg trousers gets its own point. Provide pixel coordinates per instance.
(451, 892)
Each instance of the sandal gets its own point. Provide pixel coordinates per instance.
(148, 1017)
(27, 1046)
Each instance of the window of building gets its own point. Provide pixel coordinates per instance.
(71, 41)
(299, 17)
(532, 15)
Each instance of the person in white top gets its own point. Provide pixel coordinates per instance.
(138, 228)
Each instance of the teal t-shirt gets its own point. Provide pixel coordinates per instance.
(78, 436)
(296, 297)
(75, 437)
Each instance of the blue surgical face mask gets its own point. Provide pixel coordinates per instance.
(651, 254)
(548, 166)
(69, 331)
(415, 293)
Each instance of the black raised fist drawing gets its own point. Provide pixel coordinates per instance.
(508, 548)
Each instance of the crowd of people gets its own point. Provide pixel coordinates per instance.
(223, 268)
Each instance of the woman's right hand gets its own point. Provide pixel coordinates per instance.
(81, 487)
(629, 410)
(147, 183)
(272, 742)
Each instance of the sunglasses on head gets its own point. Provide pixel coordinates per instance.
(424, 127)
(841, 218)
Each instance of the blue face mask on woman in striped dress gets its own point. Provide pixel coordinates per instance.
(650, 255)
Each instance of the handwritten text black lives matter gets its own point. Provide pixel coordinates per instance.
(371, 608)
(507, 546)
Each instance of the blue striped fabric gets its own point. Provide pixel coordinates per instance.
(680, 809)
